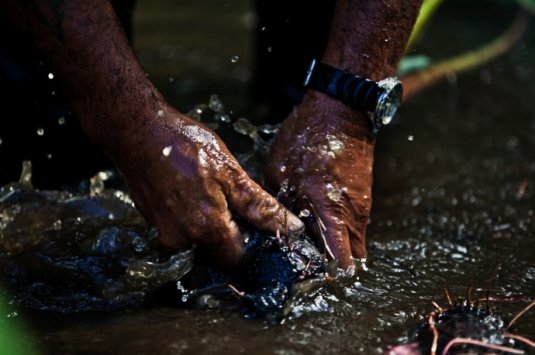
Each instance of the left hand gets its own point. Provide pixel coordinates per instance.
(325, 151)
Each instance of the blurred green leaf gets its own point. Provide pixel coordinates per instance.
(426, 12)
(14, 339)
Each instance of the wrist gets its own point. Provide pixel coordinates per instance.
(123, 123)
(323, 110)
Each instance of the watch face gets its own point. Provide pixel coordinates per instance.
(389, 100)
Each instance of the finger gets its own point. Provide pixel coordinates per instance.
(171, 235)
(333, 232)
(357, 237)
(330, 220)
(226, 243)
(254, 204)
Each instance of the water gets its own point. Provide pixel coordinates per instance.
(453, 207)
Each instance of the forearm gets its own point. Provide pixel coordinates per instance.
(85, 47)
(368, 38)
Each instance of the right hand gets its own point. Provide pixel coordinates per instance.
(184, 180)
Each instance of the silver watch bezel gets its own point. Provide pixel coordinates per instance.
(387, 103)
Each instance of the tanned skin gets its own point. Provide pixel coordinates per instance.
(180, 174)
(368, 38)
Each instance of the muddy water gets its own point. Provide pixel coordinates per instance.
(454, 207)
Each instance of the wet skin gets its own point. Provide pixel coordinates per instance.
(191, 191)
(325, 148)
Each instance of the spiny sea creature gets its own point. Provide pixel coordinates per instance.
(466, 326)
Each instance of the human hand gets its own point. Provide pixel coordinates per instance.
(325, 151)
(185, 181)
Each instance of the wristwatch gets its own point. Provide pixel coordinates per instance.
(380, 100)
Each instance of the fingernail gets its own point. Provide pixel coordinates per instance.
(295, 224)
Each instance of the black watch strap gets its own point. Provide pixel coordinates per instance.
(360, 93)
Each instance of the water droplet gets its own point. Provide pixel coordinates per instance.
(234, 59)
(216, 104)
(167, 150)
(50, 76)
(243, 126)
(304, 213)
(57, 224)
(333, 193)
(335, 145)
(40, 131)
(160, 113)
(410, 138)
(61, 121)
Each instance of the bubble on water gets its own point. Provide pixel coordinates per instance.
(167, 150)
(50, 76)
(410, 138)
(40, 131)
(160, 113)
(235, 59)
(61, 121)
(304, 213)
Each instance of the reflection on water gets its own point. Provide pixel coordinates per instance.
(453, 207)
